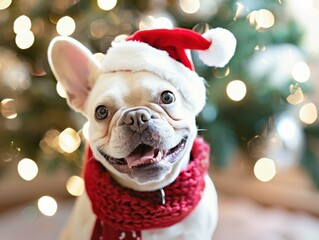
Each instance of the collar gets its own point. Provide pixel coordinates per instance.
(122, 210)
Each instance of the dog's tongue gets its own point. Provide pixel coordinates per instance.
(143, 154)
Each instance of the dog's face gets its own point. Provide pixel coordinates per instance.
(141, 129)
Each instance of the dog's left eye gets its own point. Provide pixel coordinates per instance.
(101, 112)
(167, 97)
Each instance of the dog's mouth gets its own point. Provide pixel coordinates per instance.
(145, 155)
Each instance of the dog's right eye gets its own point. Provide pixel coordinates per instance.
(101, 112)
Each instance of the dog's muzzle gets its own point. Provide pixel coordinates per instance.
(136, 118)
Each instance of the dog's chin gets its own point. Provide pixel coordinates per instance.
(147, 163)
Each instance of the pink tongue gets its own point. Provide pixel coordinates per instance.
(140, 156)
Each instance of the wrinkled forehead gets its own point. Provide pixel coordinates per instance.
(124, 87)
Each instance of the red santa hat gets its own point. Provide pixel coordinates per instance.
(165, 52)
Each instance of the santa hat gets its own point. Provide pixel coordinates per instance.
(165, 53)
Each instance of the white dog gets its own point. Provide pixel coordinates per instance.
(145, 170)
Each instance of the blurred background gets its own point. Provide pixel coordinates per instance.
(261, 117)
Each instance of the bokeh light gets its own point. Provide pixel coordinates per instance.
(22, 24)
(287, 128)
(75, 185)
(121, 37)
(47, 205)
(151, 22)
(301, 72)
(65, 26)
(60, 90)
(25, 39)
(265, 169)
(264, 18)
(8, 108)
(296, 95)
(5, 4)
(69, 140)
(236, 90)
(106, 4)
(27, 169)
(189, 6)
(99, 56)
(308, 113)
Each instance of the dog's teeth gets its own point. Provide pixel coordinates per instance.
(156, 151)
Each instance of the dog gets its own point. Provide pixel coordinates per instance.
(141, 104)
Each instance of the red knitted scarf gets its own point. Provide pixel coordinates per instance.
(122, 212)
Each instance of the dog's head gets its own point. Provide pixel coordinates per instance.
(141, 108)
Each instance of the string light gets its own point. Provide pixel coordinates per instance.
(251, 18)
(120, 38)
(106, 5)
(265, 169)
(99, 56)
(27, 169)
(69, 140)
(286, 128)
(5, 4)
(221, 72)
(25, 39)
(264, 18)
(22, 24)
(308, 113)
(47, 205)
(301, 72)
(65, 26)
(296, 95)
(236, 90)
(239, 11)
(75, 185)
(60, 90)
(151, 22)
(260, 48)
(189, 6)
(8, 109)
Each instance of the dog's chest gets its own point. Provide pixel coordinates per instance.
(199, 225)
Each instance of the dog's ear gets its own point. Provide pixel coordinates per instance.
(74, 66)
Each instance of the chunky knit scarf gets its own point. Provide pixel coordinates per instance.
(122, 212)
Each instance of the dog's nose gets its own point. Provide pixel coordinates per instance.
(137, 118)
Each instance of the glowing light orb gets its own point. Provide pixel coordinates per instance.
(22, 24)
(189, 6)
(308, 113)
(69, 140)
(151, 22)
(120, 38)
(5, 4)
(60, 90)
(25, 39)
(296, 95)
(99, 56)
(75, 185)
(27, 169)
(8, 109)
(265, 169)
(236, 90)
(106, 5)
(264, 18)
(65, 26)
(301, 72)
(47, 205)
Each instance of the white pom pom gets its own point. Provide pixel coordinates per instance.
(222, 48)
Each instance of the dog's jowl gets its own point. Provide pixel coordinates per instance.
(145, 168)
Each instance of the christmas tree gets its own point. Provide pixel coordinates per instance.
(262, 102)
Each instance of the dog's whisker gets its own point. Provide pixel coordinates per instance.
(201, 130)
